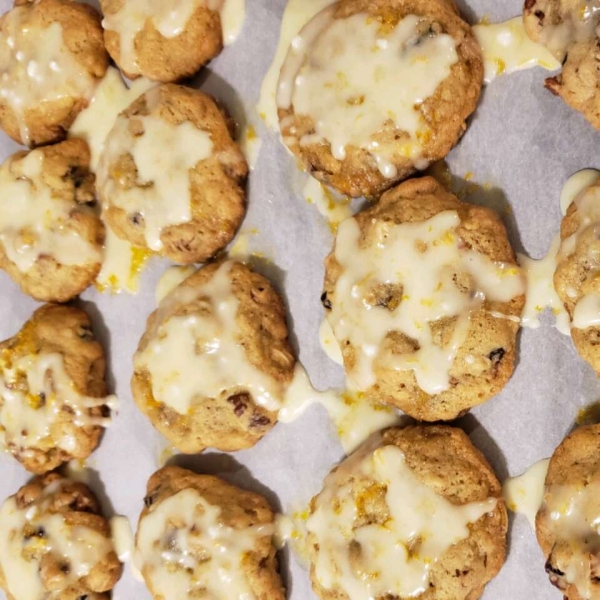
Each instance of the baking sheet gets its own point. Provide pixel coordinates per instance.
(522, 141)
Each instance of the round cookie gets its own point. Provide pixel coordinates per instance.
(55, 543)
(378, 90)
(566, 526)
(212, 367)
(576, 277)
(560, 24)
(416, 512)
(578, 83)
(199, 536)
(164, 43)
(51, 57)
(569, 29)
(53, 403)
(186, 203)
(424, 295)
(50, 237)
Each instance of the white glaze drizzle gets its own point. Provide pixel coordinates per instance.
(250, 145)
(170, 19)
(540, 290)
(170, 279)
(183, 548)
(354, 80)
(201, 355)
(422, 258)
(575, 27)
(396, 557)
(33, 220)
(36, 66)
(121, 266)
(80, 547)
(334, 207)
(574, 517)
(296, 14)
(576, 184)
(587, 309)
(507, 48)
(122, 537)
(541, 293)
(35, 391)
(111, 97)
(162, 195)
(329, 344)
(354, 416)
(524, 494)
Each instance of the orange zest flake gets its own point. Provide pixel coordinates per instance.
(589, 414)
(348, 398)
(301, 515)
(251, 133)
(388, 21)
(139, 257)
(500, 66)
(368, 497)
(35, 401)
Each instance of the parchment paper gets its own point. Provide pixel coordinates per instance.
(522, 141)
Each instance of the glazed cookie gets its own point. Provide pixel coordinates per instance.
(424, 295)
(53, 404)
(161, 41)
(187, 202)
(50, 237)
(375, 90)
(560, 24)
(414, 513)
(569, 29)
(567, 522)
(51, 58)
(576, 278)
(200, 537)
(54, 543)
(215, 361)
(578, 83)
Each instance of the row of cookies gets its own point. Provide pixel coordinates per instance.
(372, 92)
(54, 53)
(198, 327)
(418, 510)
(196, 534)
(186, 203)
(243, 406)
(423, 293)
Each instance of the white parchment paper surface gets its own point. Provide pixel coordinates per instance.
(522, 141)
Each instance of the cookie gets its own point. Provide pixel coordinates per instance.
(55, 543)
(414, 513)
(53, 403)
(160, 41)
(199, 536)
(50, 235)
(424, 295)
(51, 58)
(185, 203)
(560, 24)
(568, 28)
(578, 83)
(576, 278)
(566, 524)
(375, 90)
(213, 365)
